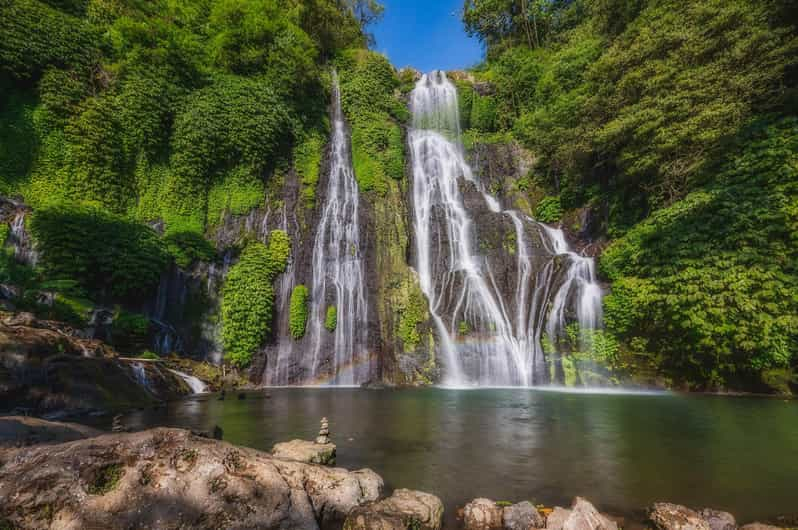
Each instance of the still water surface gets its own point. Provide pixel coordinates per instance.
(621, 451)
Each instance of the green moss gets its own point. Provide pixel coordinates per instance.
(298, 318)
(149, 355)
(412, 313)
(331, 319)
(463, 328)
(106, 479)
(4, 230)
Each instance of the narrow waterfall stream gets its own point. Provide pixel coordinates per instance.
(338, 268)
(486, 336)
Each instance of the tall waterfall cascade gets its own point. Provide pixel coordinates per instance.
(488, 335)
(338, 356)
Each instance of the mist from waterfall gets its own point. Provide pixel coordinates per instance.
(339, 268)
(485, 338)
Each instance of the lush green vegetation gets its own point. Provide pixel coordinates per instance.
(122, 115)
(368, 84)
(105, 253)
(709, 286)
(298, 317)
(671, 121)
(247, 304)
(248, 297)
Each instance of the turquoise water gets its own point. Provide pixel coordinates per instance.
(621, 451)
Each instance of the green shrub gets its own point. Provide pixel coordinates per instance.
(549, 210)
(104, 253)
(60, 39)
(130, 330)
(150, 355)
(186, 248)
(278, 253)
(331, 319)
(299, 311)
(247, 304)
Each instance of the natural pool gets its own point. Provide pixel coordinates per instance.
(621, 451)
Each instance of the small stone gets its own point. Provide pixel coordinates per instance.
(522, 516)
(482, 514)
(557, 518)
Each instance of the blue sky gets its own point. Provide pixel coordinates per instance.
(425, 34)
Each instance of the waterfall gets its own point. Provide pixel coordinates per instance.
(338, 268)
(140, 373)
(277, 369)
(486, 337)
(194, 383)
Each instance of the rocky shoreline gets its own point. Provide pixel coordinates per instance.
(66, 476)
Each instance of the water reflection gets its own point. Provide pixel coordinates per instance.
(621, 451)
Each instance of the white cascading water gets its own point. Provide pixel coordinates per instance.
(338, 268)
(463, 293)
(194, 383)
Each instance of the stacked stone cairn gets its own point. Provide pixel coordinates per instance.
(324, 433)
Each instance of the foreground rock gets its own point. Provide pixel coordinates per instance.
(404, 510)
(668, 516)
(522, 516)
(581, 516)
(485, 514)
(168, 478)
(305, 451)
(482, 514)
(20, 431)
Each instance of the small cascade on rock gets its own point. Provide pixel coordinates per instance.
(140, 373)
(489, 328)
(339, 268)
(18, 237)
(194, 383)
(580, 283)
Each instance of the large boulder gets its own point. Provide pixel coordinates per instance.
(404, 510)
(668, 516)
(169, 478)
(305, 451)
(21, 431)
(582, 516)
(482, 514)
(522, 516)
